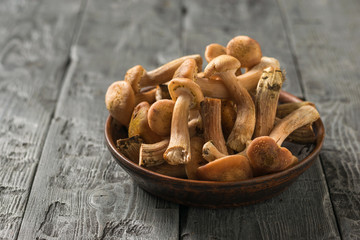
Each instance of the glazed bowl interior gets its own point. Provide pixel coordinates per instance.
(209, 193)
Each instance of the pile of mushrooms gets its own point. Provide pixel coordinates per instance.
(220, 124)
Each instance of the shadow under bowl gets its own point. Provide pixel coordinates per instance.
(209, 193)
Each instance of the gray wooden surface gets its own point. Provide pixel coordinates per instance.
(57, 58)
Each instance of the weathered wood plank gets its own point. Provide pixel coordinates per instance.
(34, 41)
(79, 191)
(326, 38)
(304, 210)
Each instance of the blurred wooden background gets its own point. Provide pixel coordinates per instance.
(57, 58)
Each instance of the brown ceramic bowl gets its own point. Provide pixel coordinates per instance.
(215, 194)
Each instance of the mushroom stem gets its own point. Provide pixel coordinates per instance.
(300, 117)
(250, 79)
(304, 134)
(213, 88)
(166, 72)
(152, 154)
(148, 96)
(286, 108)
(178, 151)
(210, 152)
(210, 110)
(266, 100)
(245, 119)
(266, 154)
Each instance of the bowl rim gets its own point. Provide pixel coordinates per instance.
(285, 96)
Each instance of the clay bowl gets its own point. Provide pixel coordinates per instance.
(215, 194)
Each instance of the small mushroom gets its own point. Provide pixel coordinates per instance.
(228, 168)
(210, 110)
(225, 66)
(196, 159)
(187, 95)
(120, 100)
(266, 100)
(160, 115)
(139, 78)
(139, 124)
(266, 154)
(214, 50)
(246, 50)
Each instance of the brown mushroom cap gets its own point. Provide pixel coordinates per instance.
(188, 69)
(159, 116)
(139, 124)
(228, 168)
(214, 50)
(245, 49)
(266, 156)
(178, 85)
(221, 63)
(133, 76)
(120, 101)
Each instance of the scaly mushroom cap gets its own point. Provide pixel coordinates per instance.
(159, 116)
(245, 49)
(229, 168)
(214, 50)
(266, 156)
(133, 76)
(221, 63)
(120, 100)
(178, 85)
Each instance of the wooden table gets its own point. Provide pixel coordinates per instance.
(57, 58)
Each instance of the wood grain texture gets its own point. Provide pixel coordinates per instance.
(79, 191)
(303, 211)
(325, 35)
(34, 41)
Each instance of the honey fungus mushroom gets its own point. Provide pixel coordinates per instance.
(120, 100)
(225, 66)
(187, 95)
(246, 50)
(214, 50)
(266, 154)
(138, 77)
